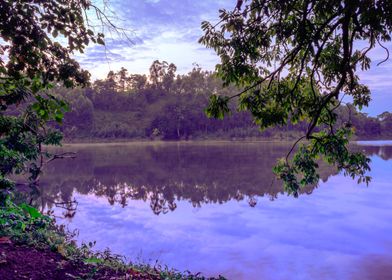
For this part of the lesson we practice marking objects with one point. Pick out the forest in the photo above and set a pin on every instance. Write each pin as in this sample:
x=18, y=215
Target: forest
x=283, y=70
x=167, y=106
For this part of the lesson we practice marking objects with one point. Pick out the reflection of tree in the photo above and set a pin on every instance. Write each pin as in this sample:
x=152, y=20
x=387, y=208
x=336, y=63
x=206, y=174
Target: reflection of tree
x=384, y=152
x=164, y=174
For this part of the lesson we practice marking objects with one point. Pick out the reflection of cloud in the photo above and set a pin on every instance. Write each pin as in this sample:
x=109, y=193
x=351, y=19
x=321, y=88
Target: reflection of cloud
x=336, y=233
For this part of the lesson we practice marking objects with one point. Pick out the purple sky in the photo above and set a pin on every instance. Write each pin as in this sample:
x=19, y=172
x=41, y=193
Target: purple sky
x=169, y=30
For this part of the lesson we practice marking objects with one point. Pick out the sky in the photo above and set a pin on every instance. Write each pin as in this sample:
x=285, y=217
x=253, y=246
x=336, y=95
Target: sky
x=159, y=29
x=169, y=30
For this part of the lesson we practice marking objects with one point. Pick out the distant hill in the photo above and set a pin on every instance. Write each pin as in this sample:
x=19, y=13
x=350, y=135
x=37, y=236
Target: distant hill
x=169, y=107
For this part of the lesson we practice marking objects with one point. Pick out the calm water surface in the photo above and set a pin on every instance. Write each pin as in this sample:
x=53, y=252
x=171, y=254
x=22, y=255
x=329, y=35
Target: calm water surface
x=215, y=208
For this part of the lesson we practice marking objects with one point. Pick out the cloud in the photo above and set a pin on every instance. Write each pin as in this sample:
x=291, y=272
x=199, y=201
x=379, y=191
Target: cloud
x=165, y=30
x=169, y=30
x=379, y=80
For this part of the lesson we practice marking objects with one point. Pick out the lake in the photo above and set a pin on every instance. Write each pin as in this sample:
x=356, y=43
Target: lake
x=215, y=208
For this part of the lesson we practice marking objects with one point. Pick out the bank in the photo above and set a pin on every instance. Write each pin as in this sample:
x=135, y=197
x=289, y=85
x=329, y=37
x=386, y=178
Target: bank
x=33, y=247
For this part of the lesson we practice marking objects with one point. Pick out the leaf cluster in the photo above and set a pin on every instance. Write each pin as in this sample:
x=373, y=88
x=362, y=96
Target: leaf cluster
x=37, y=41
x=295, y=60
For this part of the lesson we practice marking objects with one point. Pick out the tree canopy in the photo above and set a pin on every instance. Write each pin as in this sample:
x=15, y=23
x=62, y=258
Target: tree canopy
x=172, y=109
x=296, y=60
x=37, y=40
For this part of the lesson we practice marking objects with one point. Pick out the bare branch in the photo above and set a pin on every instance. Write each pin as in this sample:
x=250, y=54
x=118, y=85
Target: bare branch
x=386, y=50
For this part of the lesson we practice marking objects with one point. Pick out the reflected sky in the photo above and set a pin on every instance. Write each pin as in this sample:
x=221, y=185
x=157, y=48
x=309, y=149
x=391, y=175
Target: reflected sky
x=341, y=231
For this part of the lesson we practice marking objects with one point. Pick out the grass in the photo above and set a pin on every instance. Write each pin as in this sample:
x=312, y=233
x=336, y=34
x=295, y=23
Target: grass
x=25, y=225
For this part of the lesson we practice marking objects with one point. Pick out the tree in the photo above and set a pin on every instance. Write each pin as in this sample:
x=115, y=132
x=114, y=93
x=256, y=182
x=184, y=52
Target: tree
x=138, y=82
x=106, y=111
x=295, y=60
x=32, y=61
x=168, y=77
x=123, y=79
x=162, y=74
x=386, y=123
x=157, y=72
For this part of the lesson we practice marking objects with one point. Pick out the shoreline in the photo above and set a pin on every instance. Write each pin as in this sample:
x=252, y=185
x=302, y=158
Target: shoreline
x=114, y=142
x=41, y=249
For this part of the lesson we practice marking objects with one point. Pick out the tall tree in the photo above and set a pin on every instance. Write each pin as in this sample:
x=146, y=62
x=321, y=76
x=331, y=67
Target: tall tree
x=138, y=82
x=296, y=59
x=32, y=59
x=168, y=77
x=123, y=79
x=162, y=74
x=157, y=72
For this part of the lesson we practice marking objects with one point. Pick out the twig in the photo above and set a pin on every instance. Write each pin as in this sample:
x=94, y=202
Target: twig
x=292, y=148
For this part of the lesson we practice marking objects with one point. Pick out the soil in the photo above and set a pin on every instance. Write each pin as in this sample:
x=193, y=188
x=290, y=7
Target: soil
x=24, y=262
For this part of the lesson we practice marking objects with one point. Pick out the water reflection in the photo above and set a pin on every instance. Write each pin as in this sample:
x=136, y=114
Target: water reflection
x=165, y=173
x=341, y=231
x=383, y=151
x=374, y=267
x=162, y=174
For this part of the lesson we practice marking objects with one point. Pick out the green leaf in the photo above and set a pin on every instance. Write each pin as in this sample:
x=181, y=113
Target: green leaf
x=218, y=107
x=92, y=260
x=100, y=41
x=33, y=212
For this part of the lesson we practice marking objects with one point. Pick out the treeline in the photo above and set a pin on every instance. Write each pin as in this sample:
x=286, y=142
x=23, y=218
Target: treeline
x=167, y=106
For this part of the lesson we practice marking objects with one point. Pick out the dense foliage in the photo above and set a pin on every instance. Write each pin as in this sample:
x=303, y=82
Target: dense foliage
x=296, y=59
x=170, y=107
x=37, y=40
